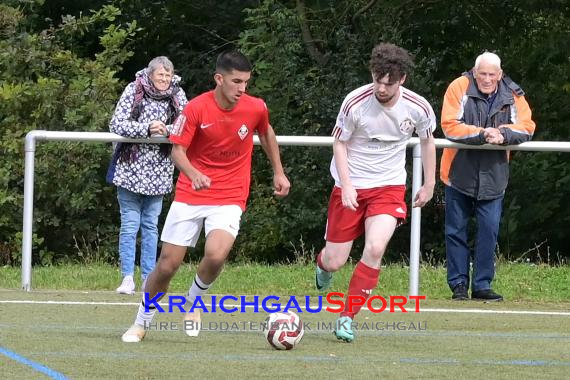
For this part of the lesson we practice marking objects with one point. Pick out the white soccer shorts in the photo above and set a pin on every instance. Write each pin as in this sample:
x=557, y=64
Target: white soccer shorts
x=184, y=222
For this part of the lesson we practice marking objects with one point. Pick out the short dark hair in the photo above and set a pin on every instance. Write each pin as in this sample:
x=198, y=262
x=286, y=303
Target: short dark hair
x=232, y=60
x=390, y=59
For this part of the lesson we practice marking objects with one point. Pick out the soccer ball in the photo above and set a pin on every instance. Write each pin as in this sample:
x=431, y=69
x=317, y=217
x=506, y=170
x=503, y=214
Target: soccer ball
x=283, y=330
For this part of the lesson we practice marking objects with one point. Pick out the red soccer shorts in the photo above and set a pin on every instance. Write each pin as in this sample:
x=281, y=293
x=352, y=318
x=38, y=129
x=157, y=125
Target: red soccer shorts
x=344, y=225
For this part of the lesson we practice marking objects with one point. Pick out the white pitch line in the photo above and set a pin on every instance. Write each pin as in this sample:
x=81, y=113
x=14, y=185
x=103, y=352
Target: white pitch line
x=490, y=311
x=103, y=303
x=429, y=310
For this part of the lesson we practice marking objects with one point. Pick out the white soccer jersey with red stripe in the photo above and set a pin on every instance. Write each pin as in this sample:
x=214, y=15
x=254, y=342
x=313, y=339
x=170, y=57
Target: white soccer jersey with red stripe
x=376, y=136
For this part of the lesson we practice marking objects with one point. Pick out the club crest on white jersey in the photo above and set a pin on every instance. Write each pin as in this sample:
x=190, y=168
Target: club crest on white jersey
x=406, y=126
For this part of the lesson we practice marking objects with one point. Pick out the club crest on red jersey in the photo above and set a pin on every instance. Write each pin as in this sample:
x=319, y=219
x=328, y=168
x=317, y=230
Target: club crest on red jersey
x=243, y=131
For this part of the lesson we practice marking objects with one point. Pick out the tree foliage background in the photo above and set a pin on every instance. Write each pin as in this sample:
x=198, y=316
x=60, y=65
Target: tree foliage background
x=63, y=65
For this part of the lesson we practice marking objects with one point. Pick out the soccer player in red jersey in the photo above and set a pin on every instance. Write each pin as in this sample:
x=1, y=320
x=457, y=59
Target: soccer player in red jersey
x=372, y=129
x=212, y=147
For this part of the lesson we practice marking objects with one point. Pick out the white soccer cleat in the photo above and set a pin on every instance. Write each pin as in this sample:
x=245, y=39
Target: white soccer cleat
x=127, y=286
x=134, y=334
x=192, y=323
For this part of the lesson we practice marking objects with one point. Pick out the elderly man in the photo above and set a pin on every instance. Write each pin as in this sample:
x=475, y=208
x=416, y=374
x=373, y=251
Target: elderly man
x=483, y=106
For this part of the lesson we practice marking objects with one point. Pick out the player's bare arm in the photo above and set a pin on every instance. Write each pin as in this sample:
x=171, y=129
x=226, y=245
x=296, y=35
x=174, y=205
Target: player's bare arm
x=425, y=193
x=269, y=144
x=341, y=161
x=199, y=180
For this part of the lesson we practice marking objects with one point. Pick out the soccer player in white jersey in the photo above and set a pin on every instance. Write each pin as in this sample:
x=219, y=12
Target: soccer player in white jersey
x=372, y=129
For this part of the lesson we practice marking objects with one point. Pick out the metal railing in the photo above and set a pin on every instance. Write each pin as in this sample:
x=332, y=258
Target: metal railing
x=415, y=229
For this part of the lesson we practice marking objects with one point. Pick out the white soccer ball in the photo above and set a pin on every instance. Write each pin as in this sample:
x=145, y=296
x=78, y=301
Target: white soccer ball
x=283, y=330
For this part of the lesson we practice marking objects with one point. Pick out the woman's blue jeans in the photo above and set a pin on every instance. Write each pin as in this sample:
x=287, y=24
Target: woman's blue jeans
x=459, y=208
x=138, y=211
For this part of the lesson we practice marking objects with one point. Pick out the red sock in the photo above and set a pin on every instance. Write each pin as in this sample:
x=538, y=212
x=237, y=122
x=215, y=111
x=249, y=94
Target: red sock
x=320, y=260
x=364, y=280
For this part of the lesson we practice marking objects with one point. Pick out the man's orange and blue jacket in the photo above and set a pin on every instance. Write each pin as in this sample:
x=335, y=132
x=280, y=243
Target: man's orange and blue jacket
x=482, y=174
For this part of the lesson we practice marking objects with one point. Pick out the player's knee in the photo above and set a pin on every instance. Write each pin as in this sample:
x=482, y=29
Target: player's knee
x=333, y=264
x=216, y=256
x=374, y=250
x=166, y=269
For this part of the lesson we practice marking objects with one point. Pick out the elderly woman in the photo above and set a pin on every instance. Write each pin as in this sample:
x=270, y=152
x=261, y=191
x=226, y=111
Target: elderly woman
x=143, y=172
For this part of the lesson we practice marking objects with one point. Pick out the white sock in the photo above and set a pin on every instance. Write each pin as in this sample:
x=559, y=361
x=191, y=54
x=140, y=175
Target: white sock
x=144, y=318
x=198, y=288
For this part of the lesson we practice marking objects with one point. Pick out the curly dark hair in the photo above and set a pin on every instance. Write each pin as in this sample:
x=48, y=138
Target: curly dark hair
x=390, y=59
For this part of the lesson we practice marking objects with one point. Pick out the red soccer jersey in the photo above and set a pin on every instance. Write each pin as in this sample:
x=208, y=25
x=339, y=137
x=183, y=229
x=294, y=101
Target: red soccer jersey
x=220, y=144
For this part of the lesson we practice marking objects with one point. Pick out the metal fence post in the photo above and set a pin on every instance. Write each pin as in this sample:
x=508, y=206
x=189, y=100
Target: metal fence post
x=415, y=229
x=27, y=230
x=33, y=136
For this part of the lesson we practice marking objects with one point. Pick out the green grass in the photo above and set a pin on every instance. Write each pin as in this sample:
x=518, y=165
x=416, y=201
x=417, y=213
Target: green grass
x=517, y=282
x=461, y=339
x=82, y=341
